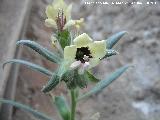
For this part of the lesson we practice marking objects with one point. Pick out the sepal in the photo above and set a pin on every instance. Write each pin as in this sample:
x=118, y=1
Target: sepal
x=91, y=77
x=73, y=79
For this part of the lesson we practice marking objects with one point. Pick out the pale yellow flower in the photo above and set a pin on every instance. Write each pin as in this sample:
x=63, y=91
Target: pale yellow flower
x=84, y=53
x=57, y=9
x=75, y=23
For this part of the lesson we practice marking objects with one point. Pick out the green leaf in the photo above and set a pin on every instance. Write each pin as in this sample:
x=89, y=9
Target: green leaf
x=111, y=41
x=64, y=38
x=104, y=83
x=41, y=50
x=55, y=79
x=26, y=108
x=110, y=52
x=52, y=83
x=62, y=107
x=91, y=77
x=30, y=65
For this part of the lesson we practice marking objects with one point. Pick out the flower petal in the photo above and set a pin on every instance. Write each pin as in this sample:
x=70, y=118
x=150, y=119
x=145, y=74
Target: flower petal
x=82, y=40
x=74, y=23
x=70, y=52
x=50, y=23
x=79, y=23
x=98, y=49
x=69, y=24
x=68, y=12
x=75, y=64
x=93, y=62
x=51, y=12
x=59, y=4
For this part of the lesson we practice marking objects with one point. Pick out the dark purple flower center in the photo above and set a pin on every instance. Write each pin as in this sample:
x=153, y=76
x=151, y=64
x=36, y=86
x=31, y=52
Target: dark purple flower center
x=81, y=52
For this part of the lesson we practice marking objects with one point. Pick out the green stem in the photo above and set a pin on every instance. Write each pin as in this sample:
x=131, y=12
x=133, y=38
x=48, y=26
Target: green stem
x=73, y=104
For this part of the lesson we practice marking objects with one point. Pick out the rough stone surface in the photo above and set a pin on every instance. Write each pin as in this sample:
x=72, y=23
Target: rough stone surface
x=135, y=95
x=13, y=19
x=12, y=14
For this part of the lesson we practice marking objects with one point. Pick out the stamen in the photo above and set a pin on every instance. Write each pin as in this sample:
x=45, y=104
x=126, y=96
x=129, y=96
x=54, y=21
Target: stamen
x=86, y=58
x=61, y=19
x=65, y=20
x=58, y=20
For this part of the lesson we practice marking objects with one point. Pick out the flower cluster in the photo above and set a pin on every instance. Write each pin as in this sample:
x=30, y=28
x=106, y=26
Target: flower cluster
x=79, y=54
x=59, y=16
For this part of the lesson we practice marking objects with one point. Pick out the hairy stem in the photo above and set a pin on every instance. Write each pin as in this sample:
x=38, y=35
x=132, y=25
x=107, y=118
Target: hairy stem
x=73, y=104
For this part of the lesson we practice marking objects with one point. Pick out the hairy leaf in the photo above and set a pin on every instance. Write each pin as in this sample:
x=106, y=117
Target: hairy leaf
x=104, y=83
x=30, y=65
x=55, y=79
x=41, y=50
x=62, y=107
x=111, y=41
x=52, y=83
x=37, y=114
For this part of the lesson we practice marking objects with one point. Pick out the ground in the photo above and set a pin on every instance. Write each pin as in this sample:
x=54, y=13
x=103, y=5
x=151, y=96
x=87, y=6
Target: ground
x=135, y=95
